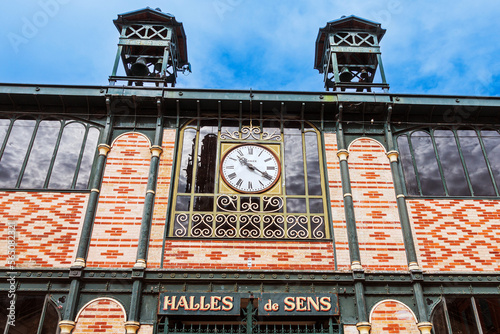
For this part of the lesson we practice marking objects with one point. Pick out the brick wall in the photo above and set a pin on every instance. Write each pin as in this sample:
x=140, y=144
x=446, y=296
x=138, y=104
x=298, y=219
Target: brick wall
x=48, y=227
x=118, y=219
x=161, y=200
x=393, y=317
x=456, y=235
x=377, y=220
x=337, y=203
x=103, y=315
x=234, y=254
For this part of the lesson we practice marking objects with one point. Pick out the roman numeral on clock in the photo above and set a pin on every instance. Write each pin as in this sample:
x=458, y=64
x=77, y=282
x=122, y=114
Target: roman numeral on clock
x=250, y=150
x=232, y=176
x=239, y=183
x=249, y=185
x=271, y=167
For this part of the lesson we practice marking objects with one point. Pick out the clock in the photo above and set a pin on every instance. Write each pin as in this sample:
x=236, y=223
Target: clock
x=250, y=168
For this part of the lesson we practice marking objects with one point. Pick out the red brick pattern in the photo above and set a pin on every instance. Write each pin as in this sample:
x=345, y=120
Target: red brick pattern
x=161, y=200
x=337, y=203
x=235, y=254
x=103, y=315
x=393, y=317
x=377, y=220
x=118, y=219
x=456, y=235
x=48, y=227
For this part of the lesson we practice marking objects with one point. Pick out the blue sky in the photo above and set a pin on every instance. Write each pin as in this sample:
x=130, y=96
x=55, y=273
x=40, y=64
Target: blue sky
x=432, y=47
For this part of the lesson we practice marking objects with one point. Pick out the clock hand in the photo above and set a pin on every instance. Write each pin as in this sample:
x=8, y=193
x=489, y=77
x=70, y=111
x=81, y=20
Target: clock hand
x=252, y=167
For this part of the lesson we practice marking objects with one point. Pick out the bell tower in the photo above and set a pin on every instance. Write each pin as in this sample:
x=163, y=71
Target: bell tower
x=348, y=54
x=152, y=48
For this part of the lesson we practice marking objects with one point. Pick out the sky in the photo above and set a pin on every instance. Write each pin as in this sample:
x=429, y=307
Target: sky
x=431, y=47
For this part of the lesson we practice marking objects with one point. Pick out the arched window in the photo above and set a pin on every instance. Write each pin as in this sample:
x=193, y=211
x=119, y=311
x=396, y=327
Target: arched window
x=249, y=179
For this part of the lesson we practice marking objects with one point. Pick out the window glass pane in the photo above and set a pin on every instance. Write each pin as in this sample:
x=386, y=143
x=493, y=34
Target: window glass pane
x=182, y=203
x=87, y=160
x=439, y=320
x=476, y=165
x=312, y=160
x=186, y=167
x=51, y=320
x=296, y=205
x=272, y=130
x=491, y=140
x=4, y=127
x=489, y=314
x=427, y=167
x=294, y=160
x=230, y=129
x=67, y=156
x=461, y=315
x=28, y=312
x=450, y=162
x=407, y=164
x=207, y=158
x=203, y=203
x=41, y=155
x=316, y=205
x=15, y=152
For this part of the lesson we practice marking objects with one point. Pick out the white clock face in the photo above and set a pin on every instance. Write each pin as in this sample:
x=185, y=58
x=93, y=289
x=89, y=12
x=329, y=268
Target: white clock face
x=250, y=168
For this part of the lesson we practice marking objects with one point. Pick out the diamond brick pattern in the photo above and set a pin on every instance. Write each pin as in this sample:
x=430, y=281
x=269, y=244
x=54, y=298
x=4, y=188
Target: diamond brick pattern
x=47, y=224
x=393, y=317
x=104, y=315
x=337, y=203
x=161, y=200
x=377, y=220
x=115, y=235
x=456, y=235
x=235, y=254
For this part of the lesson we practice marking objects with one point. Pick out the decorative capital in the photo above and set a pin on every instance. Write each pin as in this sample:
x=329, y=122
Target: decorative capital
x=343, y=154
x=103, y=149
x=356, y=265
x=79, y=262
x=393, y=156
x=363, y=327
x=66, y=326
x=140, y=264
x=156, y=150
x=131, y=327
x=414, y=266
x=424, y=327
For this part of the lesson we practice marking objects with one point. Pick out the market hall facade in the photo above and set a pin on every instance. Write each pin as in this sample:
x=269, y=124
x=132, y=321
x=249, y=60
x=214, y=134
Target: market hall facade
x=140, y=207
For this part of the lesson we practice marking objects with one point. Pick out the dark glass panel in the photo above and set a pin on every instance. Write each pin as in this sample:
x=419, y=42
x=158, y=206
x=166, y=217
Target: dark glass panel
x=88, y=158
x=203, y=203
x=312, y=160
x=407, y=164
x=294, y=159
x=451, y=163
x=41, y=155
x=476, y=165
x=230, y=128
x=186, y=161
x=491, y=140
x=316, y=205
x=28, y=312
x=439, y=320
x=489, y=314
x=461, y=315
x=15, y=152
x=207, y=158
x=296, y=205
x=51, y=320
x=182, y=203
x=4, y=127
x=250, y=204
x=427, y=167
x=67, y=156
x=272, y=129
x=181, y=224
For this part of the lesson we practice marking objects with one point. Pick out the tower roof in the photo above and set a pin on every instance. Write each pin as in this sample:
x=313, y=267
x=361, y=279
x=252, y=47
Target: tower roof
x=149, y=15
x=345, y=23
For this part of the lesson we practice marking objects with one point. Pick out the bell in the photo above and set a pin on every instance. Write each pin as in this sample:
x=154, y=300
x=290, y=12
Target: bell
x=140, y=68
x=159, y=65
x=345, y=75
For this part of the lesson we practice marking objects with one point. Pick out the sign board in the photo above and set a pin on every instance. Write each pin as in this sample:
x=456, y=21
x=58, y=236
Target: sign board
x=198, y=303
x=298, y=304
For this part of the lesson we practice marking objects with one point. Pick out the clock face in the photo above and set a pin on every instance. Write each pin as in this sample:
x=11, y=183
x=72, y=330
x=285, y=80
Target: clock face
x=250, y=168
